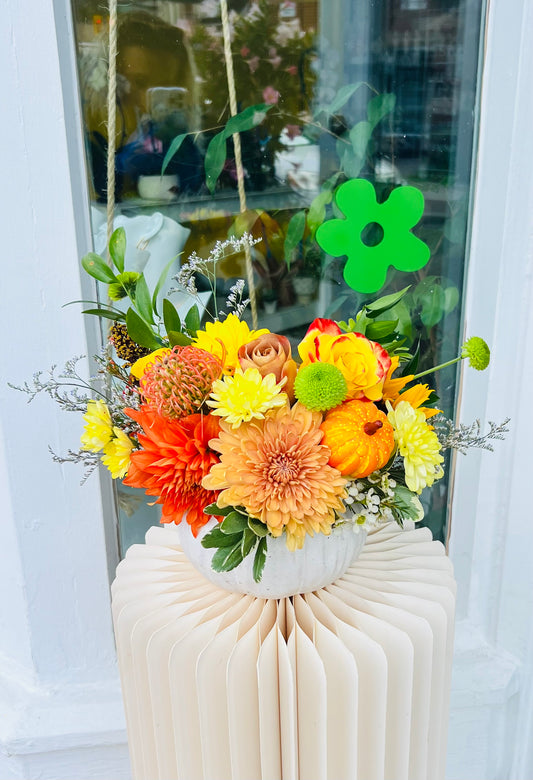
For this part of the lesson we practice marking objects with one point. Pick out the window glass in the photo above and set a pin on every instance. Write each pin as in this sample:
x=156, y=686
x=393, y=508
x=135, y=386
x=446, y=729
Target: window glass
x=385, y=91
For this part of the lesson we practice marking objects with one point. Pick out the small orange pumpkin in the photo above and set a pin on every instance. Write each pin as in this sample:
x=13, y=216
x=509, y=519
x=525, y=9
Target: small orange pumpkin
x=360, y=438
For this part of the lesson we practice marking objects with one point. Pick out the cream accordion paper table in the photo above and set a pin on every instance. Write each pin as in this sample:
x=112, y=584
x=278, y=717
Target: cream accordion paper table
x=348, y=683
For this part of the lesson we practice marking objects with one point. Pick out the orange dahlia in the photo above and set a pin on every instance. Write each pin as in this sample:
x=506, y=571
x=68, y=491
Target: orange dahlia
x=174, y=458
x=278, y=471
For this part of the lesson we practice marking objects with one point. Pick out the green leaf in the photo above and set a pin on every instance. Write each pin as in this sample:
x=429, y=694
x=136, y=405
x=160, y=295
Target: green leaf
x=234, y=523
x=359, y=137
x=140, y=332
x=379, y=106
x=216, y=538
x=295, y=232
x=98, y=268
x=160, y=283
x=172, y=150
x=259, y=559
x=317, y=210
x=143, y=301
x=214, y=509
x=343, y=95
x=407, y=504
x=178, y=339
x=246, y=120
x=171, y=318
x=192, y=320
x=378, y=330
x=412, y=365
x=430, y=296
x=117, y=247
x=226, y=560
x=351, y=165
x=249, y=540
x=257, y=527
x=107, y=314
x=215, y=157
x=451, y=298
x=403, y=315
x=382, y=304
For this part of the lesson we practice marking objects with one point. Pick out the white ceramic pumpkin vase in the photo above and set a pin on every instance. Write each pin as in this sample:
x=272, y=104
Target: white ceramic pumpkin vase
x=321, y=561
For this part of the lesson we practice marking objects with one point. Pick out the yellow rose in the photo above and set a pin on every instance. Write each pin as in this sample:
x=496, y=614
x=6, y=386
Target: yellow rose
x=362, y=362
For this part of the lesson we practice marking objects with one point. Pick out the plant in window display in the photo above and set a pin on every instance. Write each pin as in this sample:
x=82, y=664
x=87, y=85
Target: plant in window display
x=259, y=449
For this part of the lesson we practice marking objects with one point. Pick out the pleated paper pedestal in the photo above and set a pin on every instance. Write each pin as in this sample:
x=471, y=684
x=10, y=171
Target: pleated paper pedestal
x=348, y=683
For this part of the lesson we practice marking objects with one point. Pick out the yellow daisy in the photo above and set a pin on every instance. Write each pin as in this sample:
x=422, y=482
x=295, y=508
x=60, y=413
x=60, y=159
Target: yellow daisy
x=117, y=454
x=417, y=444
x=245, y=396
x=223, y=339
x=98, y=427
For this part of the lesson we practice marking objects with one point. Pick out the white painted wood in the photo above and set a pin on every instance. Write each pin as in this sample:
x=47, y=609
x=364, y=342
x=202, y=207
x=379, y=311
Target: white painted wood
x=491, y=714
x=60, y=709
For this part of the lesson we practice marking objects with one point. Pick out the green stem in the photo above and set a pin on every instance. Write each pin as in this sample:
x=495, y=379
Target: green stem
x=437, y=368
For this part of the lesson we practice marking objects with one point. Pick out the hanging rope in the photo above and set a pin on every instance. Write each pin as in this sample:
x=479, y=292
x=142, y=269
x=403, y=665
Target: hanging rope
x=111, y=119
x=237, y=146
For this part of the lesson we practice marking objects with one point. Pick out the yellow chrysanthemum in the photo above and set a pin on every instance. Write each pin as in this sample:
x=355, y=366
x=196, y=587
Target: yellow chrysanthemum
x=98, y=427
x=245, y=396
x=417, y=444
x=117, y=454
x=278, y=470
x=223, y=339
x=393, y=387
x=416, y=396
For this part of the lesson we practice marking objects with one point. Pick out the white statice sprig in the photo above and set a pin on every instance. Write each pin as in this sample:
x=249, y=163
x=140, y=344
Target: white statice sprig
x=465, y=437
x=235, y=302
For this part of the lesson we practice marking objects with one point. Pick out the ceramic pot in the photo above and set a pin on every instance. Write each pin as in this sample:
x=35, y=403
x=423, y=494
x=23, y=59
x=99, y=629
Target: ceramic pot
x=321, y=561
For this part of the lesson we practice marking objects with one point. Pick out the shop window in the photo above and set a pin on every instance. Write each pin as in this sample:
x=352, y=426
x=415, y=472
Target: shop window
x=406, y=68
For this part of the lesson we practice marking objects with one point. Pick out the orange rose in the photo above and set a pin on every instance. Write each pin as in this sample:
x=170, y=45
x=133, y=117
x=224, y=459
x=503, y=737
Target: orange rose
x=270, y=354
x=363, y=363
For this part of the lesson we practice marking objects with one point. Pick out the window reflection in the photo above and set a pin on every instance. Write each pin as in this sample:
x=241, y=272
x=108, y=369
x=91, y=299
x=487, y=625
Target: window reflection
x=383, y=90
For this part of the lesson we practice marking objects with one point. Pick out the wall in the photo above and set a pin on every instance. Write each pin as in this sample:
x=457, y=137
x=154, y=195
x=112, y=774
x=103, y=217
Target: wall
x=60, y=708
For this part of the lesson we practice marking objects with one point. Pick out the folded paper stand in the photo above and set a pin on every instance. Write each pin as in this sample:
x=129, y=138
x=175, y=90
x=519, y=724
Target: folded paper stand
x=348, y=683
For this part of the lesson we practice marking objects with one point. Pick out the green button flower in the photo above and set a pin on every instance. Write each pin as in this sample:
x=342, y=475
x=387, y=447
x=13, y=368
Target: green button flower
x=366, y=266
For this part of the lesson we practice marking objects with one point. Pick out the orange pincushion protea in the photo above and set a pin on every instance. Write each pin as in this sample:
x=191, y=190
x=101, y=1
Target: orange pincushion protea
x=178, y=381
x=174, y=458
x=360, y=438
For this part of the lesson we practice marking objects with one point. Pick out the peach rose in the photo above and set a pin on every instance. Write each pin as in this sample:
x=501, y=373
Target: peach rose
x=363, y=363
x=270, y=354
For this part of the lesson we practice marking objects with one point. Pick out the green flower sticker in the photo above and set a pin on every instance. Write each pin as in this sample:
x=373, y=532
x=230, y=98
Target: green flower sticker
x=366, y=266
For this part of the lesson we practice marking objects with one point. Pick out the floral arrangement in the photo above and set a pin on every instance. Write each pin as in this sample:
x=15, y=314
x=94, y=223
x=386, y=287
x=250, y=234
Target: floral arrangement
x=234, y=423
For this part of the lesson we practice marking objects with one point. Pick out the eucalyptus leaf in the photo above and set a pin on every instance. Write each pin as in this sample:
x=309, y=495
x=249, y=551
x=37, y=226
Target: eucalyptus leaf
x=379, y=106
x=451, y=298
x=98, y=268
x=192, y=320
x=257, y=527
x=143, y=301
x=342, y=97
x=117, y=247
x=234, y=523
x=172, y=150
x=359, y=138
x=171, y=318
x=317, y=210
x=107, y=314
x=216, y=538
x=259, y=559
x=140, y=332
x=295, y=232
x=351, y=165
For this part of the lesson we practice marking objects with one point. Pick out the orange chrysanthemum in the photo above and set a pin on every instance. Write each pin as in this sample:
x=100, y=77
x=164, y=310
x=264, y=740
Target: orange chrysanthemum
x=278, y=471
x=174, y=458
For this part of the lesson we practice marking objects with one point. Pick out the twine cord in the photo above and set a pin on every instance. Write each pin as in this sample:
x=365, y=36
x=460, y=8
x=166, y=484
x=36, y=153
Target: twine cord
x=111, y=119
x=238, y=155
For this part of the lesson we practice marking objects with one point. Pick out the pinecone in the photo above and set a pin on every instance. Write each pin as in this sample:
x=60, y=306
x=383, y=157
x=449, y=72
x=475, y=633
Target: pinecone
x=124, y=345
